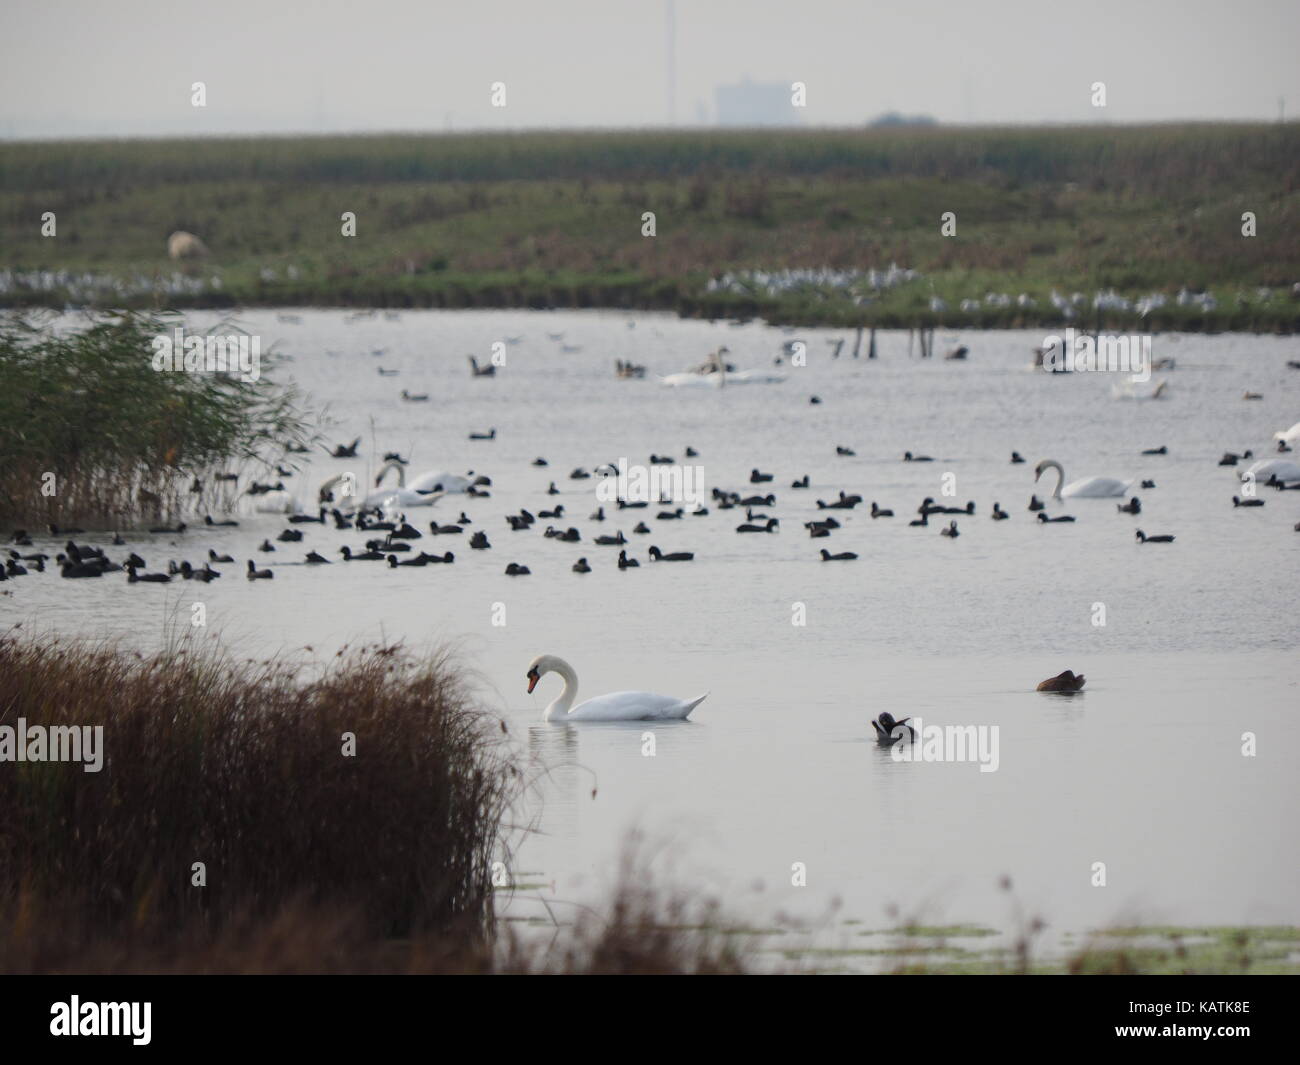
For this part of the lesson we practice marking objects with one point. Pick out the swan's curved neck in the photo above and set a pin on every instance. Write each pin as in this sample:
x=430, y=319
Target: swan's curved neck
x=564, y=701
x=326, y=490
x=1052, y=464
x=383, y=472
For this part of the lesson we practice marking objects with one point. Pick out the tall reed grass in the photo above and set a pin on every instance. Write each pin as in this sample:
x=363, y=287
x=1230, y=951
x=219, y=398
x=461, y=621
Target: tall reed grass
x=90, y=432
x=240, y=765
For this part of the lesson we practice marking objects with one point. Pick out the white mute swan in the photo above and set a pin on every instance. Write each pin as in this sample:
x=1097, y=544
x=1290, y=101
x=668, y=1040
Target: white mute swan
x=423, y=491
x=1282, y=469
x=278, y=502
x=1086, y=488
x=1290, y=437
x=616, y=706
x=714, y=374
x=691, y=379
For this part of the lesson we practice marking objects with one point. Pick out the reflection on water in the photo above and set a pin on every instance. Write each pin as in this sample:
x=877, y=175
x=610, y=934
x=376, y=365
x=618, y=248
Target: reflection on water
x=553, y=761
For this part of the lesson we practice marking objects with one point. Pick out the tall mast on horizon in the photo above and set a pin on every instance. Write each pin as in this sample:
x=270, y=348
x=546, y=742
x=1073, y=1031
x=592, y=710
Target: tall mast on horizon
x=671, y=18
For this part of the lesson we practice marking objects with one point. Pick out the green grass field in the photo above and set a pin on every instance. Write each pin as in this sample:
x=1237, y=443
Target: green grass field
x=555, y=219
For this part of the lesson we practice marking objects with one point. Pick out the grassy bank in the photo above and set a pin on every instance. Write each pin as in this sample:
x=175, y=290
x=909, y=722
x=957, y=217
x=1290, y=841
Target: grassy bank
x=549, y=220
x=972, y=950
x=90, y=432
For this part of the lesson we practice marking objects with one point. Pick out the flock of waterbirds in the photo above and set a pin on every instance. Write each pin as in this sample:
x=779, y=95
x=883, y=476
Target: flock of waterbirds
x=395, y=541
x=392, y=540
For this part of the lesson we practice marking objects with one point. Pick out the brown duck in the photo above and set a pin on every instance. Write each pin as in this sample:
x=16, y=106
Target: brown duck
x=1062, y=682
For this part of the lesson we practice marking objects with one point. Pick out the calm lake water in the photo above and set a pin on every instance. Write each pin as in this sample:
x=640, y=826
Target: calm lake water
x=1143, y=771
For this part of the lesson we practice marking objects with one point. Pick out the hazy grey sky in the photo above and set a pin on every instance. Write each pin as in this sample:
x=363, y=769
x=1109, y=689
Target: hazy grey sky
x=125, y=67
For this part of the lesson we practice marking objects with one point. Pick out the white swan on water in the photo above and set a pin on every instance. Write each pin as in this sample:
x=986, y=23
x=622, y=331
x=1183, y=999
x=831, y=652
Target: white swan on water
x=714, y=374
x=1086, y=488
x=691, y=379
x=616, y=706
x=277, y=502
x=1282, y=469
x=1290, y=437
x=423, y=491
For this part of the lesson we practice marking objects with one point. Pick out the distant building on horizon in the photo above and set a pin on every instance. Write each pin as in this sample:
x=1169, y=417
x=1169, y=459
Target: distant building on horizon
x=753, y=103
x=893, y=118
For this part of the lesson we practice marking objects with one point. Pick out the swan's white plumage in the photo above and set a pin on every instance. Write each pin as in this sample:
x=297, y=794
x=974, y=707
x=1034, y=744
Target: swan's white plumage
x=714, y=374
x=1282, y=469
x=399, y=497
x=1289, y=436
x=1095, y=488
x=630, y=706
x=616, y=706
x=691, y=380
x=1085, y=487
x=423, y=491
x=277, y=502
x=438, y=481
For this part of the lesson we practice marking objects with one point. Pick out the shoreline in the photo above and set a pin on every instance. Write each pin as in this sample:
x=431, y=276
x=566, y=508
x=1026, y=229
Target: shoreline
x=948, y=227
x=1272, y=321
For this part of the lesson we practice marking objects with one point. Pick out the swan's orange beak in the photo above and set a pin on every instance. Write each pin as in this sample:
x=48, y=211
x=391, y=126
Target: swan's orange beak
x=533, y=678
